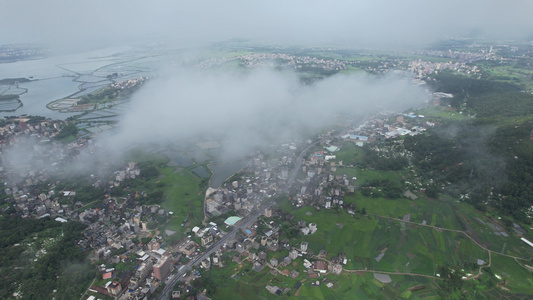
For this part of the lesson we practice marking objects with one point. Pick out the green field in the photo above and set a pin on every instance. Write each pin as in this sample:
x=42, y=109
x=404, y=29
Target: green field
x=183, y=191
x=364, y=286
x=248, y=284
x=353, y=156
x=406, y=247
x=509, y=73
x=440, y=114
x=349, y=153
x=515, y=277
x=366, y=175
x=183, y=197
x=414, y=248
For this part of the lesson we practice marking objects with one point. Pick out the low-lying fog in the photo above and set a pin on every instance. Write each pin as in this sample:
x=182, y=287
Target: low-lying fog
x=253, y=108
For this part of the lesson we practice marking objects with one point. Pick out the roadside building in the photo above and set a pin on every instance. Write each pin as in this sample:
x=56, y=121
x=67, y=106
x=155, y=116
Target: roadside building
x=268, y=212
x=232, y=220
x=206, y=239
x=162, y=268
x=114, y=288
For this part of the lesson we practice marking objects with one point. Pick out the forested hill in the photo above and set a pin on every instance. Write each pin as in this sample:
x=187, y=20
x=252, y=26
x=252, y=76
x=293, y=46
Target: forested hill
x=452, y=83
x=485, y=98
x=40, y=258
x=489, y=157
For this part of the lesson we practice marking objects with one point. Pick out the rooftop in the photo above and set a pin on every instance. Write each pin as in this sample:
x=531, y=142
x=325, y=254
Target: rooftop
x=232, y=220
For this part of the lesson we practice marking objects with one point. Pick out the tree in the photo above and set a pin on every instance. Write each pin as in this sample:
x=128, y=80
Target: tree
x=432, y=191
x=67, y=131
x=452, y=278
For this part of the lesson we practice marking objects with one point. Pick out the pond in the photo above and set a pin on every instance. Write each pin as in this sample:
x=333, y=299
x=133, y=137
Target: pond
x=8, y=105
x=201, y=171
x=223, y=171
x=179, y=159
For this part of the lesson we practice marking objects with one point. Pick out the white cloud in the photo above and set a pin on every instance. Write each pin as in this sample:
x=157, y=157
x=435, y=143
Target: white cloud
x=259, y=107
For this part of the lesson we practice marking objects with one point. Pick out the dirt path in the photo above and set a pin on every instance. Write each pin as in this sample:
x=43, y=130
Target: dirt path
x=480, y=272
x=393, y=273
x=475, y=236
x=454, y=230
x=83, y=295
x=476, y=241
x=298, y=291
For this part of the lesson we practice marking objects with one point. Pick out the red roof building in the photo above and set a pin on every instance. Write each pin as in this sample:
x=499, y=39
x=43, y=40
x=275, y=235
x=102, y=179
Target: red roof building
x=320, y=266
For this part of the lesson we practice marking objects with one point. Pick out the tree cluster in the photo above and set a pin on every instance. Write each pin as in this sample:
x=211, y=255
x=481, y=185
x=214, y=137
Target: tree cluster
x=389, y=189
x=67, y=131
x=490, y=157
x=62, y=267
x=375, y=161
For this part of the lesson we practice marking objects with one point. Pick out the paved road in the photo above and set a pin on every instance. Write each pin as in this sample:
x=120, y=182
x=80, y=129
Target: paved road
x=246, y=222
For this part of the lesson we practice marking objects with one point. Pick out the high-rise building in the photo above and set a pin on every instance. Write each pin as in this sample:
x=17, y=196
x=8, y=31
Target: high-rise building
x=293, y=254
x=137, y=219
x=268, y=212
x=303, y=246
x=162, y=268
x=144, y=270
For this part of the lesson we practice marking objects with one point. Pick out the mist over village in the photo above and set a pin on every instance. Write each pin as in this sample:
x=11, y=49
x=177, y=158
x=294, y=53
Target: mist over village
x=265, y=150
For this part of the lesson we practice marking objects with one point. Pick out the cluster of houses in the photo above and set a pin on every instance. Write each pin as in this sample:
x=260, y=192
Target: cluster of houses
x=119, y=233
x=263, y=246
x=130, y=83
x=29, y=156
x=130, y=172
x=423, y=68
x=115, y=228
x=386, y=125
x=267, y=249
x=482, y=53
x=15, y=128
x=262, y=178
x=11, y=53
x=29, y=202
x=275, y=59
x=152, y=265
x=293, y=61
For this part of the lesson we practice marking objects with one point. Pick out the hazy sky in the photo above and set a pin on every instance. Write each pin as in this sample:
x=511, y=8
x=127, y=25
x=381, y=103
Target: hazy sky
x=79, y=24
